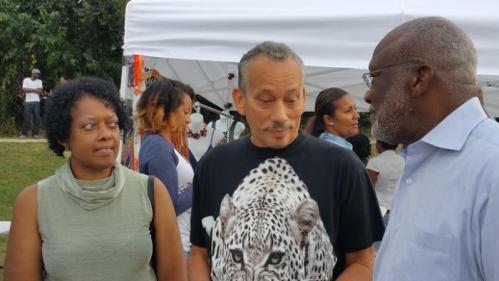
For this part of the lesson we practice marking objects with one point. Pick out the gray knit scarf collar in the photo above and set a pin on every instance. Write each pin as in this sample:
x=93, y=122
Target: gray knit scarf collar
x=91, y=194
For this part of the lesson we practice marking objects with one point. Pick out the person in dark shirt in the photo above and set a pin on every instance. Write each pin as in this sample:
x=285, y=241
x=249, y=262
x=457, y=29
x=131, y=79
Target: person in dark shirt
x=361, y=146
x=280, y=204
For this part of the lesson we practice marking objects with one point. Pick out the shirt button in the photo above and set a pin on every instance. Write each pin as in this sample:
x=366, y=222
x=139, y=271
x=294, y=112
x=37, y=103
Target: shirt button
x=408, y=181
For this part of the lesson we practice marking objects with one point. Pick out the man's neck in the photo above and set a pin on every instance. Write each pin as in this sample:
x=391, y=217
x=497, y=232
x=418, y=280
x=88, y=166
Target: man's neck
x=435, y=114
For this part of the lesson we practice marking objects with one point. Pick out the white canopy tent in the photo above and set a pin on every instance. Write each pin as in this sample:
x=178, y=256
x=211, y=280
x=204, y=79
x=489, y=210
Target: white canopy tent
x=200, y=41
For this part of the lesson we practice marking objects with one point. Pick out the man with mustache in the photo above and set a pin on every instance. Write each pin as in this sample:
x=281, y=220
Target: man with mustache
x=424, y=94
x=271, y=96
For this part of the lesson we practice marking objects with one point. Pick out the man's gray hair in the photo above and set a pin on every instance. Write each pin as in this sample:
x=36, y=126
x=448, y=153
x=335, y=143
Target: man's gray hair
x=443, y=45
x=272, y=50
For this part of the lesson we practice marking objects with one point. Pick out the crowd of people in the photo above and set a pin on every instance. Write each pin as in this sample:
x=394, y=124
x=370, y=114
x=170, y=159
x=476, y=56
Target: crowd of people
x=285, y=202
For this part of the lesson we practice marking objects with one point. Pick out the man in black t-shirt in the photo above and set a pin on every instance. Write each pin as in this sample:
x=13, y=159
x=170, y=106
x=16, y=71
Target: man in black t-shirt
x=280, y=205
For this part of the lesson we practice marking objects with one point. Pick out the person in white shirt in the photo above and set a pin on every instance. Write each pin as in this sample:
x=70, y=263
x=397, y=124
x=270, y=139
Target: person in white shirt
x=384, y=171
x=32, y=88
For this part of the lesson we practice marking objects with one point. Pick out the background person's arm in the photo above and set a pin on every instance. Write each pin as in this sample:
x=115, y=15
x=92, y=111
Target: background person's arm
x=168, y=246
x=373, y=176
x=39, y=90
x=197, y=264
x=24, y=253
x=358, y=265
x=25, y=87
x=162, y=163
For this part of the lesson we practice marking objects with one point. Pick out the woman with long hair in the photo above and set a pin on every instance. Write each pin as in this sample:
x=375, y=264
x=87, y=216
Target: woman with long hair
x=335, y=118
x=163, y=113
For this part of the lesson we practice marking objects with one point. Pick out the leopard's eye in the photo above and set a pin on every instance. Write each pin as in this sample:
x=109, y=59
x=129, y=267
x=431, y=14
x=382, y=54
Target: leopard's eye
x=275, y=258
x=237, y=256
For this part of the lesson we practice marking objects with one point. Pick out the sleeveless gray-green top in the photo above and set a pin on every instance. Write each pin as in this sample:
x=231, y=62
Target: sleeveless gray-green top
x=95, y=230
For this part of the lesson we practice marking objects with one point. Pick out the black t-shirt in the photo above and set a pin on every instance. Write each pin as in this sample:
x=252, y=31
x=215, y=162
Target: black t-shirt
x=334, y=176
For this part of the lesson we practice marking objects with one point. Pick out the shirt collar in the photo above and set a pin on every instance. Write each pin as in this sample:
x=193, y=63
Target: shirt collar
x=336, y=140
x=453, y=131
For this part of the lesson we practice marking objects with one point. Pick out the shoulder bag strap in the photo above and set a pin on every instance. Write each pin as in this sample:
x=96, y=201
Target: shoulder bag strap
x=150, y=194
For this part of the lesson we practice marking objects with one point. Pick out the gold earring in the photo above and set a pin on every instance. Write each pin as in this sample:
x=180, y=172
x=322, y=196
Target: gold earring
x=67, y=152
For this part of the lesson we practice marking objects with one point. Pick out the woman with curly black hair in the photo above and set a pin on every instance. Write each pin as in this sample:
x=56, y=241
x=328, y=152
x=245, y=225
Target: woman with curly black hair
x=91, y=220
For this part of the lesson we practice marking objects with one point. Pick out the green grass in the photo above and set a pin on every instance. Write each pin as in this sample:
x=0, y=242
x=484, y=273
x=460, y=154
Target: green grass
x=22, y=164
x=3, y=248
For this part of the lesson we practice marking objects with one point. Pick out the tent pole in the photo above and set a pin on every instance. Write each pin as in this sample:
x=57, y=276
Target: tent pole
x=200, y=105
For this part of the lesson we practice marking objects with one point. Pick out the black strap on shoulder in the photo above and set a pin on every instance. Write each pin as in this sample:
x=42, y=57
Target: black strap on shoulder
x=150, y=191
x=150, y=194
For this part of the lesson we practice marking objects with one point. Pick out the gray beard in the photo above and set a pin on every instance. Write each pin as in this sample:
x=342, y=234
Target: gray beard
x=380, y=134
x=396, y=113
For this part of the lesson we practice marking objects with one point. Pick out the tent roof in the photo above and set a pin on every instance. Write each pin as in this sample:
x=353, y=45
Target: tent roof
x=201, y=41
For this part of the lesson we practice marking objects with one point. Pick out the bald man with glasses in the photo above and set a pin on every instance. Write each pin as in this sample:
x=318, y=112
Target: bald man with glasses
x=424, y=94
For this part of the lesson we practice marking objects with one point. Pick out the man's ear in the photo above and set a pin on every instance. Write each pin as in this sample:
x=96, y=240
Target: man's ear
x=304, y=98
x=421, y=82
x=239, y=100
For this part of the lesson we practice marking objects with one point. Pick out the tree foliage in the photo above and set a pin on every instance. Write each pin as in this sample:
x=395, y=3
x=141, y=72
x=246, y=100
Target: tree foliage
x=60, y=37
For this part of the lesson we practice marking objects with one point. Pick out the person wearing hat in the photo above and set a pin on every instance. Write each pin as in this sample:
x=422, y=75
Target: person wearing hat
x=32, y=88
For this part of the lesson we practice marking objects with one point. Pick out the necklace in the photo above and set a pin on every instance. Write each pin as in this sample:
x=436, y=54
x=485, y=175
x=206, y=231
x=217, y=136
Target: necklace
x=197, y=135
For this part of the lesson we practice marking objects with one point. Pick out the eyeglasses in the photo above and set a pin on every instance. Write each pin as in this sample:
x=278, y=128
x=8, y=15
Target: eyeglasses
x=369, y=76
